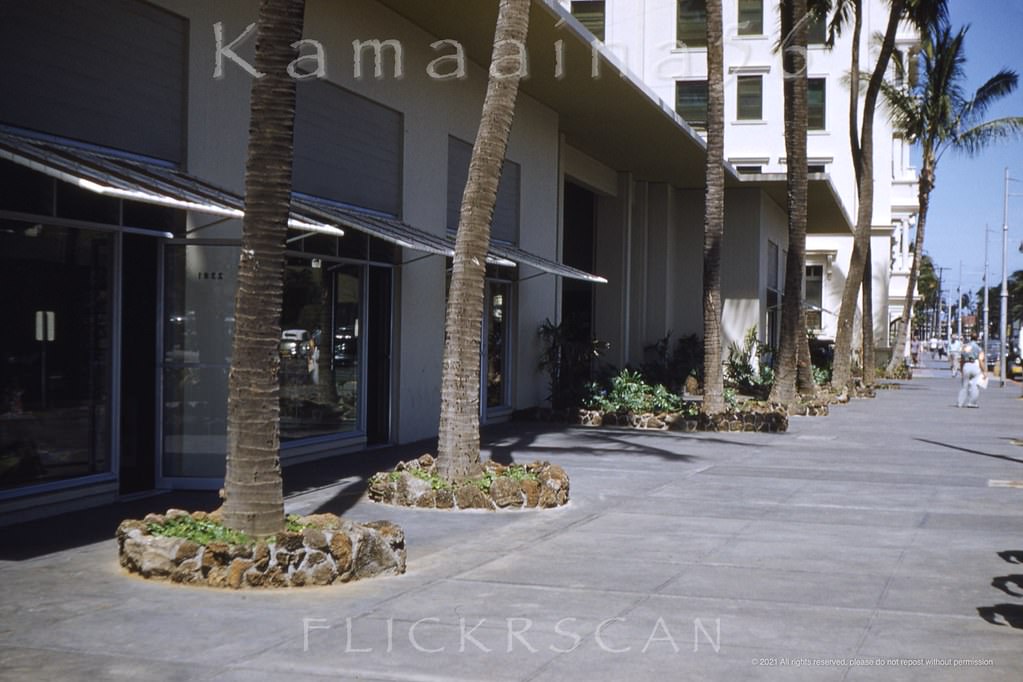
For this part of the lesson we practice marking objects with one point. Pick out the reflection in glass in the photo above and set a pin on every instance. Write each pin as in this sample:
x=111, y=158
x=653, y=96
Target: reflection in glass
x=198, y=327
x=498, y=299
x=55, y=352
x=319, y=349
x=194, y=421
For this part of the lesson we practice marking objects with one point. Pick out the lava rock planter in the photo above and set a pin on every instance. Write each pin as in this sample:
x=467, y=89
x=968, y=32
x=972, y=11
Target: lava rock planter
x=327, y=550
x=415, y=483
x=763, y=419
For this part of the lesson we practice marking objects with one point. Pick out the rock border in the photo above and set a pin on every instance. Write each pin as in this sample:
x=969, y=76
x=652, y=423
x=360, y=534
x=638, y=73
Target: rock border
x=329, y=550
x=414, y=483
x=771, y=419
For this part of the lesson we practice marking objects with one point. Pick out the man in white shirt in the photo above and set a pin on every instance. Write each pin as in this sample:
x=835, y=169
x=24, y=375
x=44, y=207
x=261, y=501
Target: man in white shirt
x=955, y=348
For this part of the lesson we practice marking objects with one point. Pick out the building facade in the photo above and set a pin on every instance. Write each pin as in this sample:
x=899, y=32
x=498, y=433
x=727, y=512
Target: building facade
x=122, y=152
x=663, y=43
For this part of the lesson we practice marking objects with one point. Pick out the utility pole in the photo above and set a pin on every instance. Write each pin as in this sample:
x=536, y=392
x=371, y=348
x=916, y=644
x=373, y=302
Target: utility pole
x=1003, y=312
x=1003, y=331
x=936, y=329
x=959, y=303
x=984, y=336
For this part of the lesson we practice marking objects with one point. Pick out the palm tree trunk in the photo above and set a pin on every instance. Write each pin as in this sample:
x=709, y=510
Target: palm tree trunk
x=867, y=321
x=924, y=188
x=714, y=214
x=793, y=323
x=458, y=448
x=864, y=215
x=254, y=496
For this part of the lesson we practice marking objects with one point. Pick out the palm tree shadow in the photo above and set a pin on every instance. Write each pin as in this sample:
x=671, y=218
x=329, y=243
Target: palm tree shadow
x=1010, y=615
x=1013, y=556
x=1003, y=583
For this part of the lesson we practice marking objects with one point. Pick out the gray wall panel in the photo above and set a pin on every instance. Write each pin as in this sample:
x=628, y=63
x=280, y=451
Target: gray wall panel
x=506, y=212
x=347, y=148
x=111, y=73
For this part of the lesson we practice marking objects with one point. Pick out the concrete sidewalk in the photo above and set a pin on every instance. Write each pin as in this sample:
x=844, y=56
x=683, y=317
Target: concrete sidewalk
x=883, y=536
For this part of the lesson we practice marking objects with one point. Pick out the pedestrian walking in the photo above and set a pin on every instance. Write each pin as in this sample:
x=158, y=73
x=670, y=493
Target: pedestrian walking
x=954, y=350
x=973, y=367
x=914, y=352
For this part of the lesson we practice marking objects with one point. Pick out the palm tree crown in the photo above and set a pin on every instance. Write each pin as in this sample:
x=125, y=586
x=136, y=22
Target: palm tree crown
x=936, y=113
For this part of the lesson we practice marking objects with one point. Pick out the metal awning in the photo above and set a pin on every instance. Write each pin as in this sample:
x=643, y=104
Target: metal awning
x=382, y=227
x=405, y=235
x=521, y=257
x=135, y=180
x=152, y=183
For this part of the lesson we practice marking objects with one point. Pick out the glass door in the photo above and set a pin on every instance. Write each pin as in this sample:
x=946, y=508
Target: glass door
x=496, y=354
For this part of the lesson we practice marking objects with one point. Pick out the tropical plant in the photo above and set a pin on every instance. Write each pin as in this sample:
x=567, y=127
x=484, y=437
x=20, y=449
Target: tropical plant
x=253, y=489
x=568, y=356
x=937, y=114
x=629, y=393
x=458, y=447
x=672, y=365
x=792, y=362
x=744, y=370
x=714, y=216
x=922, y=13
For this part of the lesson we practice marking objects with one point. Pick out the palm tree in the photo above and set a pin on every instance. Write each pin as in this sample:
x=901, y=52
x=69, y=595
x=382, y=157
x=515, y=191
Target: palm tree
x=714, y=214
x=793, y=315
x=921, y=13
x=253, y=490
x=458, y=448
x=936, y=114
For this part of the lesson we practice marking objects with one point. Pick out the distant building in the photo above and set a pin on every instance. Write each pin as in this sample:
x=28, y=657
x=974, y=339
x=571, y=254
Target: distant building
x=663, y=43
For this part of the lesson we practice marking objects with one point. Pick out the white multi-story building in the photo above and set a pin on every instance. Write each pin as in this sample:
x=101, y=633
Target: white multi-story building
x=663, y=43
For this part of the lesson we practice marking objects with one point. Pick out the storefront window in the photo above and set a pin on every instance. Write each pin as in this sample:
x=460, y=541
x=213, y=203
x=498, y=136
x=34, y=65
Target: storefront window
x=497, y=329
x=198, y=327
x=319, y=349
x=55, y=352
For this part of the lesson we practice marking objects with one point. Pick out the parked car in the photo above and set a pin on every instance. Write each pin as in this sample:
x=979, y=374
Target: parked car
x=294, y=343
x=345, y=345
x=992, y=352
x=1014, y=362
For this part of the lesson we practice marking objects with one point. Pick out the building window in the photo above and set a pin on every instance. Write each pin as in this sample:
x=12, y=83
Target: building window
x=691, y=102
x=751, y=17
x=590, y=15
x=814, y=299
x=748, y=170
x=55, y=352
x=816, y=32
x=816, y=168
x=692, y=23
x=815, y=107
x=750, y=96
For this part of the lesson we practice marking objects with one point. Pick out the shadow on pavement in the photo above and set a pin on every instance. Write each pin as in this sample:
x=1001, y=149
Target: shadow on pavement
x=87, y=526
x=1003, y=614
x=1013, y=556
x=972, y=452
x=1011, y=585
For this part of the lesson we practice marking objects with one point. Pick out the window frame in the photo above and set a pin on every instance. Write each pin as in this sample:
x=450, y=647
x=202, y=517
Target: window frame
x=688, y=27
x=810, y=126
x=680, y=85
x=741, y=23
x=739, y=95
x=589, y=19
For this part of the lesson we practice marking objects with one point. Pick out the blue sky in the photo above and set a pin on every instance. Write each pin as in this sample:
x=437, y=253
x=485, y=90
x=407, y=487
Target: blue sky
x=969, y=191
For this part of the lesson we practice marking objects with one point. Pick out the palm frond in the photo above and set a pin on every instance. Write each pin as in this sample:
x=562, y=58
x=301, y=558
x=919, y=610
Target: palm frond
x=987, y=133
x=926, y=13
x=841, y=14
x=998, y=86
